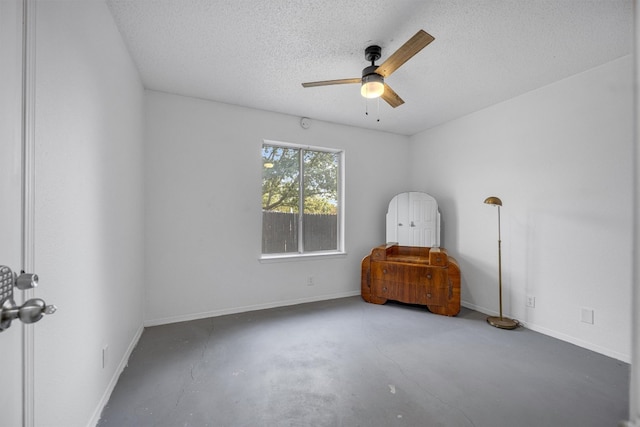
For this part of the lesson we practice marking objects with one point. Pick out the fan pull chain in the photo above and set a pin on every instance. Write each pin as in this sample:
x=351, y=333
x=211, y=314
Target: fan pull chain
x=366, y=108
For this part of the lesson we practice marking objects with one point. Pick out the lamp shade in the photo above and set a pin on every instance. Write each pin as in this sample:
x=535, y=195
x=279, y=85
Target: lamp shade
x=493, y=200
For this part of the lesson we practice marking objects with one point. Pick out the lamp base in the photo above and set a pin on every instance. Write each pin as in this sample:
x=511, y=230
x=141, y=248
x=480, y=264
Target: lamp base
x=502, y=322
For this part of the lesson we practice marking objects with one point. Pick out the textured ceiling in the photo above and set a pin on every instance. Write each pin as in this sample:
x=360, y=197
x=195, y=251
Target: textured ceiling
x=257, y=53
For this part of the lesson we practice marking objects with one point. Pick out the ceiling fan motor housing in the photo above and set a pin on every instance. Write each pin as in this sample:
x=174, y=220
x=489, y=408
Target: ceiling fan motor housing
x=371, y=69
x=373, y=53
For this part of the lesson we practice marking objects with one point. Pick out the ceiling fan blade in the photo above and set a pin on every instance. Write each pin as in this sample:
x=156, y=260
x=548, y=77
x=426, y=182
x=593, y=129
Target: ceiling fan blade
x=414, y=45
x=391, y=97
x=332, y=82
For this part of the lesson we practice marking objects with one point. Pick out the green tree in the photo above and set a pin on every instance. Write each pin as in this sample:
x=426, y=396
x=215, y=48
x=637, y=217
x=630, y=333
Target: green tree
x=281, y=177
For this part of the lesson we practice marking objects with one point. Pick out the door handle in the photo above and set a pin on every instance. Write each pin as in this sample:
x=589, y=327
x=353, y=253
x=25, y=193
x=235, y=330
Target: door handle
x=29, y=312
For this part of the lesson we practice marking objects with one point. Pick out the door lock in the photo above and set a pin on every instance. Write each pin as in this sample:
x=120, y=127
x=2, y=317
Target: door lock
x=31, y=311
x=26, y=281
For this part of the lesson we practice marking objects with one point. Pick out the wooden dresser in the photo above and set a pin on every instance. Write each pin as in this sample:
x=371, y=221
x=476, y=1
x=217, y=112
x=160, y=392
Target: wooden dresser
x=413, y=275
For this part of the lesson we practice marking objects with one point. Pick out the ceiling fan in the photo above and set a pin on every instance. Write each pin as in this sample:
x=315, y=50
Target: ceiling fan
x=372, y=81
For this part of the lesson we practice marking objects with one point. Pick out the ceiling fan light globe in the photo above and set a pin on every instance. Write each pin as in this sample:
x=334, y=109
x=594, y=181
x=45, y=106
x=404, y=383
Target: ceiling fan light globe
x=372, y=89
x=372, y=86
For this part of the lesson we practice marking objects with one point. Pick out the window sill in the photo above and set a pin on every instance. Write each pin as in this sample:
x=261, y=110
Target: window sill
x=301, y=257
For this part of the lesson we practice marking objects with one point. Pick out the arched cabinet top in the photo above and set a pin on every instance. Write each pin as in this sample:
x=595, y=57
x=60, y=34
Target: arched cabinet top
x=413, y=219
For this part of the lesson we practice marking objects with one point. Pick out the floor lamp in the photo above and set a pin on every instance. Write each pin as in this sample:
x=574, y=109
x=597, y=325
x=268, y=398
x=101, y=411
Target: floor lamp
x=499, y=322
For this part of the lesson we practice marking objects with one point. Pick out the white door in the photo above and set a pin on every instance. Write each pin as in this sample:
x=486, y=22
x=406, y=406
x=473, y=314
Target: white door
x=423, y=214
x=399, y=209
x=11, y=351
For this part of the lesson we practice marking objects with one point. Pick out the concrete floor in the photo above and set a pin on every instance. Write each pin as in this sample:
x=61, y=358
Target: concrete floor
x=348, y=363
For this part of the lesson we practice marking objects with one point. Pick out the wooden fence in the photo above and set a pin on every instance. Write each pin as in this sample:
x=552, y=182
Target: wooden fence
x=280, y=232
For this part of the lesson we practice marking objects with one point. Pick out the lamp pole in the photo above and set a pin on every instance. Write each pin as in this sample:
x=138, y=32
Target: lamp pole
x=499, y=264
x=499, y=322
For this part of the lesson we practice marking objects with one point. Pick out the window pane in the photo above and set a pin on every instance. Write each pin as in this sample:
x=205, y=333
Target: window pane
x=280, y=199
x=320, y=220
x=300, y=199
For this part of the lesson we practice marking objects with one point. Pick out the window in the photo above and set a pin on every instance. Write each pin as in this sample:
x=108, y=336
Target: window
x=301, y=179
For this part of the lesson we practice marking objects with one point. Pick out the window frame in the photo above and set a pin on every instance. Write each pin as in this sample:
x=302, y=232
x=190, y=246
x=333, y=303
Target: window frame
x=300, y=254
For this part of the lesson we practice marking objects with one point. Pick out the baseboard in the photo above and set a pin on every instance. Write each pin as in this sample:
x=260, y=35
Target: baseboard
x=558, y=335
x=243, y=309
x=114, y=379
x=479, y=309
x=580, y=343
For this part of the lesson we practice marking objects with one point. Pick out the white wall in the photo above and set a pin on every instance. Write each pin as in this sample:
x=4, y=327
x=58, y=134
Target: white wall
x=560, y=160
x=89, y=132
x=203, y=208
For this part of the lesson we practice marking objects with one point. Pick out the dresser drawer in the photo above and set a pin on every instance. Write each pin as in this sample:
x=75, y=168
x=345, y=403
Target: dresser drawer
x=410, y=283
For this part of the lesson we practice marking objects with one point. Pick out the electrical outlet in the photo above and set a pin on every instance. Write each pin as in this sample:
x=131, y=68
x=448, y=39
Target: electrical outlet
x=310, y=281
x=586, y=315
x=105, y=356
x=531, y=301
